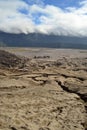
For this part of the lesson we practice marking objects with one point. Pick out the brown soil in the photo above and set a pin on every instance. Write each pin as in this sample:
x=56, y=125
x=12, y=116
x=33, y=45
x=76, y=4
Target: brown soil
x=42, y=95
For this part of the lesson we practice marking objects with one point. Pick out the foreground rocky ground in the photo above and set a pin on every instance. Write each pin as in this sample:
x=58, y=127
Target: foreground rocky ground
x=40, y=94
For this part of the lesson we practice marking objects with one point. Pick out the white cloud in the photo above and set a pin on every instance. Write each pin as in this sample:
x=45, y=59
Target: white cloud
x=51, y=19
x=13, y=21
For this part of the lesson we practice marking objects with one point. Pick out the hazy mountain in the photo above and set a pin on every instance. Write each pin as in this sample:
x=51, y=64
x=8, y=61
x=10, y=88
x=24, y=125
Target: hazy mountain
x=41, y=40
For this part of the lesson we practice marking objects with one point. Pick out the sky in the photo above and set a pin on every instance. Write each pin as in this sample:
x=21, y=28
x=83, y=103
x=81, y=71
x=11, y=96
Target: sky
x=57, y=17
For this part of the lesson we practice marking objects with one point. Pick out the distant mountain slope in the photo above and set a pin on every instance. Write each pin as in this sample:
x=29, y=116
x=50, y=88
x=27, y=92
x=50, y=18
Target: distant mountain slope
x=41, y=40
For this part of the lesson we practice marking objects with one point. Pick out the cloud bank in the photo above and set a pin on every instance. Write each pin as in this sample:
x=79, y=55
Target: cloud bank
x=19, y=16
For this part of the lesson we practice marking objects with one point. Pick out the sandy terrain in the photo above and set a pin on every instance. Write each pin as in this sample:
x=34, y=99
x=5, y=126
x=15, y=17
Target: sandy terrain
x=43, y=93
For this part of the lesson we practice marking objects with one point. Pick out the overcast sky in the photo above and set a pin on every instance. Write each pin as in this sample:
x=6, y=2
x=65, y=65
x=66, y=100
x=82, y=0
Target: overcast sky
x=59, y=17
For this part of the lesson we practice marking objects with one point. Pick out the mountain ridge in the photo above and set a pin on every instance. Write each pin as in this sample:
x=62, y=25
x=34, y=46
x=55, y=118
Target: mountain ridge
x=42, y=40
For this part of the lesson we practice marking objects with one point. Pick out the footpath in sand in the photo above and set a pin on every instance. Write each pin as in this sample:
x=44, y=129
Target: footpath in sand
x=38, y=94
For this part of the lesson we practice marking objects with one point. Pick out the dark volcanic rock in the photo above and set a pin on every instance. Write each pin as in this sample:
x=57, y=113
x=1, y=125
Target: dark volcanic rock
x=9, y=60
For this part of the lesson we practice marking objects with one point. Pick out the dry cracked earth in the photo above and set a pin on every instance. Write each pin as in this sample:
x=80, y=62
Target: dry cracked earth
x=38, y=94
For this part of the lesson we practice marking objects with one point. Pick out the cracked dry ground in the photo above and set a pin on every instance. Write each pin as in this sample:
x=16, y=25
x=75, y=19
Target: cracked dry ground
x=48, y=96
